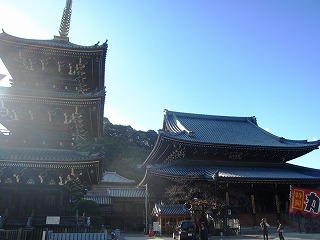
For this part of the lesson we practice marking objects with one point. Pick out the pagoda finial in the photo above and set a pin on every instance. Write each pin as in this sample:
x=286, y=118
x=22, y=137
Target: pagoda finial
x=65, y=21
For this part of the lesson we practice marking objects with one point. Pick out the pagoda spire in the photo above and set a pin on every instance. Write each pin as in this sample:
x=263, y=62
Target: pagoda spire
x=65, y=21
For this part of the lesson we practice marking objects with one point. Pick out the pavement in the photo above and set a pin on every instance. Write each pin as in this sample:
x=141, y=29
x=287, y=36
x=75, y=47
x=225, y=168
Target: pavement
x=290, y=235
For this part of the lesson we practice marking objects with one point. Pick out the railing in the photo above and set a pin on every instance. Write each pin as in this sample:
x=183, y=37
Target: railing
x=14, y=234
x=72, y=236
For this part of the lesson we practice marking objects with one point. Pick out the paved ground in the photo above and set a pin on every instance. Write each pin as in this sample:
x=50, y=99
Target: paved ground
x=272, y=236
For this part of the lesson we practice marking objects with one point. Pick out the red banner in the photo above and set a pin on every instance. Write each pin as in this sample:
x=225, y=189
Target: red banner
x=305, y=202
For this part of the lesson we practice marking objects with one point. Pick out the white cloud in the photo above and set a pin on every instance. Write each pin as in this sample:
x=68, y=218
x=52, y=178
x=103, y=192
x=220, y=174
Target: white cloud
x=314, y=139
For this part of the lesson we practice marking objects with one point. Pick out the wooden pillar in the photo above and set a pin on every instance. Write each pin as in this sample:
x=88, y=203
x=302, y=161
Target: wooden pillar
x=253, y=205
x=276, y=199
x=227, y=199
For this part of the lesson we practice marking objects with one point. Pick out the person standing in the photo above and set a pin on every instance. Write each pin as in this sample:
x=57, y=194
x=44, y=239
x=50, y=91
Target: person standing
x=264, y=227
x=280, y=231
x=203, y=232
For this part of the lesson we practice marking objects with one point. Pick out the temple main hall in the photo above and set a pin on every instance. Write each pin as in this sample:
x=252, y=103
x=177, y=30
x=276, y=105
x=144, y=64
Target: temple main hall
x=233, y=154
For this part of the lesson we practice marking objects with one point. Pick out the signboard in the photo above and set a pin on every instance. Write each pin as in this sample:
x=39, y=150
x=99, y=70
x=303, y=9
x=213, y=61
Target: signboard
x=305, y=202
x=156, y=226
x=53, y=220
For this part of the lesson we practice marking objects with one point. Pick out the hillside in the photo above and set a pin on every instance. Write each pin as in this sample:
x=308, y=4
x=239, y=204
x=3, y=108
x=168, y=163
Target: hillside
x=123, y=147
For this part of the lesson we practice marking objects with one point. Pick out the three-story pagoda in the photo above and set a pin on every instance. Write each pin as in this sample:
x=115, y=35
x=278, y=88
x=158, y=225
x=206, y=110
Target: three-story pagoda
x=56, y=99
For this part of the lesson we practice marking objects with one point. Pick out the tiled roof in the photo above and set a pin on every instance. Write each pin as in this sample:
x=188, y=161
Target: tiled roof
x=211, y=129
x=44, y=154
x=163, y=209
x=113, y=177
x=26, y=93
x=242, y=172
x=126, y=192
x=99, y=199
x=105, y=196
x=49, y=43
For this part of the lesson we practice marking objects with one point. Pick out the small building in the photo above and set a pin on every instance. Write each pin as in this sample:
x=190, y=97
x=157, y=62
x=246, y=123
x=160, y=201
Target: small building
x=169, y=215
x=122, y=203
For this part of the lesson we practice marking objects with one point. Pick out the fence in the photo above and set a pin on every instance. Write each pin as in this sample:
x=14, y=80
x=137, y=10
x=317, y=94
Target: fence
x=76, y=236
x=14, y=234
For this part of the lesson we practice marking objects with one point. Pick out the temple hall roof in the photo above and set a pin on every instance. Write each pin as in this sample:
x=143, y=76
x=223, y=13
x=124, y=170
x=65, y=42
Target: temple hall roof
x=212, y=129
x=234, y=172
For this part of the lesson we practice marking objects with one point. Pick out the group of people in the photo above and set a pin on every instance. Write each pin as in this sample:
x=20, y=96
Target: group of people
x=203, y=232
x=264, y=227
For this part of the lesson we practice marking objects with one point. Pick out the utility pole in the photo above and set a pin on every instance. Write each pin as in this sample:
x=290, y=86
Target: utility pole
x=146, y=206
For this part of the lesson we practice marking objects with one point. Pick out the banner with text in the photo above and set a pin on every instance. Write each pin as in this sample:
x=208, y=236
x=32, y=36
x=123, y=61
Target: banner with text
x=305, y=201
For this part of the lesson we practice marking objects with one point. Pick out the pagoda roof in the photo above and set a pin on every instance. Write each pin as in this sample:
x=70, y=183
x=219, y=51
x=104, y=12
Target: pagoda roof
x=283, y=173
x=20, y=93
x=56, y=42
x=16, y=155
x=224, y=130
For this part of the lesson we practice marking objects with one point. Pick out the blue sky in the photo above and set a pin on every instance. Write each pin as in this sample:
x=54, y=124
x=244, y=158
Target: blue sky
x=228, y=57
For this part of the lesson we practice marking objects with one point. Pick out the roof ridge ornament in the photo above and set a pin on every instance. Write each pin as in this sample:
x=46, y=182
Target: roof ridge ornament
x=65, y=21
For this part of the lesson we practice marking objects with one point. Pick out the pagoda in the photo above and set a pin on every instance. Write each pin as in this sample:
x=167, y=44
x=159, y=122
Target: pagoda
x=235, y=155
x=55, y=99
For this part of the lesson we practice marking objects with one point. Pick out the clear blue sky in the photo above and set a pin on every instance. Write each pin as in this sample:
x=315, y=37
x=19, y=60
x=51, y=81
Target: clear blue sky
x=219, y=57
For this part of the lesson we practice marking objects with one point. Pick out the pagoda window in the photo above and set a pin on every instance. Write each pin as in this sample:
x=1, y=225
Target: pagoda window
x=56, y=116
x=52, y=182
x=43, y=142
x=41, y=115
x=52, y=65
x=8, y=180
x=30, y=181
x=54, y=86
x=65, y=87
